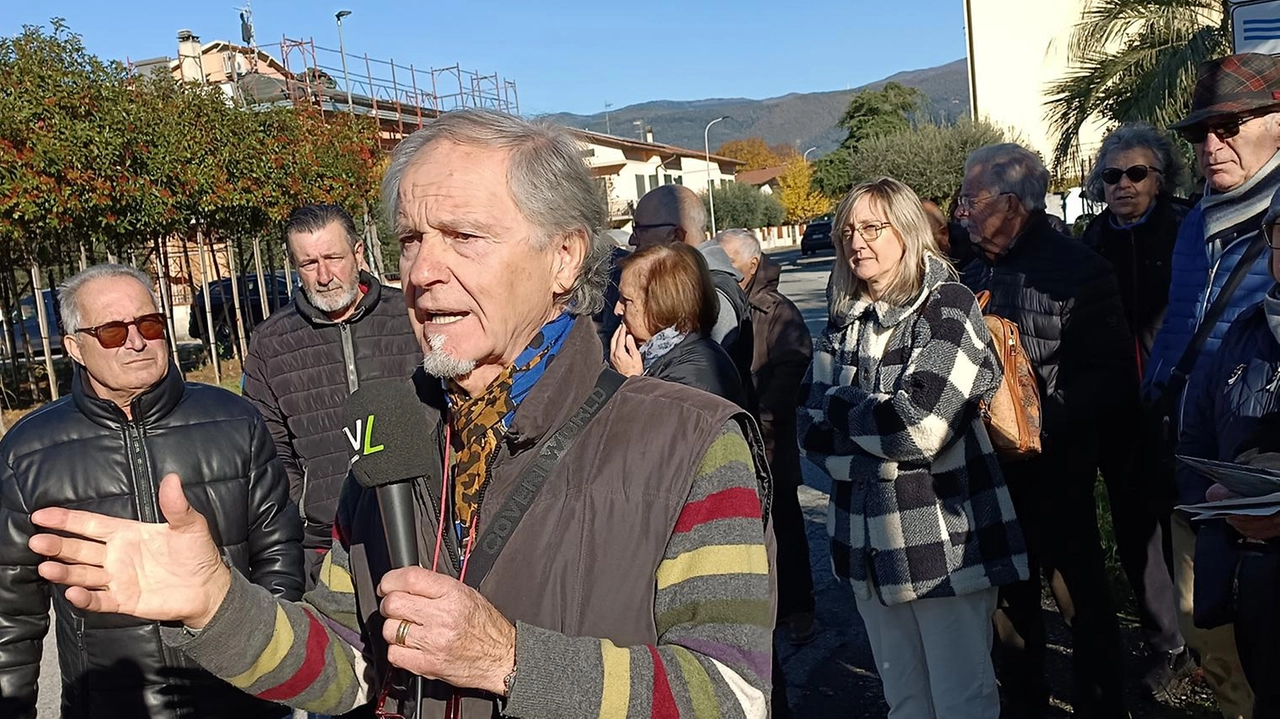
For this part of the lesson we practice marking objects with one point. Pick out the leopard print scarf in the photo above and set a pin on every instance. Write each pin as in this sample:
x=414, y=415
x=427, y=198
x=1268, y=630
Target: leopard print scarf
x=479, y=423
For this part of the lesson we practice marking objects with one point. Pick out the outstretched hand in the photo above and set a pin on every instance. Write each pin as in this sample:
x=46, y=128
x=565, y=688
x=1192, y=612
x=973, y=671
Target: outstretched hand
x=159, y=572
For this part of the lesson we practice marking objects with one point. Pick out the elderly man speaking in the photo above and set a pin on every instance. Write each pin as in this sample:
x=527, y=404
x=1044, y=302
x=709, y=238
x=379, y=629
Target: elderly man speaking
x=637, y=584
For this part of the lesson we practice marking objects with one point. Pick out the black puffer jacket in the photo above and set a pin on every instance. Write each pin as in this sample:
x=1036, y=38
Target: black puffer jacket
x=81, y=452
x=1065, y=301
x=301, y=368
x=1142, y=257
x=701, y=363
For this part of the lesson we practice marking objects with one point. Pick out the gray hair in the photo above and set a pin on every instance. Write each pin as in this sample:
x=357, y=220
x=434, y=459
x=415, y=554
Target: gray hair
x=69, y=290
x=740, y=243
x=310, y=219
x=547, y=180
x=1133, y=136
x=1013, y=169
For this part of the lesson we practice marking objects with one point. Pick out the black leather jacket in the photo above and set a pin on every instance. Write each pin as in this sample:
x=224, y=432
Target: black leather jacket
x=81, y=452
x=700, y=362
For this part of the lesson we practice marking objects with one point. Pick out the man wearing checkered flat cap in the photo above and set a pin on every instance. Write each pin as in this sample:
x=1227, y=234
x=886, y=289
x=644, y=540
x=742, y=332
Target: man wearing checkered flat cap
x=1220, y=268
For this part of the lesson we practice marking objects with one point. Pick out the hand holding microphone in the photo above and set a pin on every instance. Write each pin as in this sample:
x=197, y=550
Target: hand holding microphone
x=436, y=626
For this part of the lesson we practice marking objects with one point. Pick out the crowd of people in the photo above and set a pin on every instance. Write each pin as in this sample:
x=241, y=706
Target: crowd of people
x=603, y=449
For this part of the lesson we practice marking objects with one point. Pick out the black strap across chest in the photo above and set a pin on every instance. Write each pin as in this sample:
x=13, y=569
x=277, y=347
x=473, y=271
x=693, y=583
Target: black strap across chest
x=495, y=537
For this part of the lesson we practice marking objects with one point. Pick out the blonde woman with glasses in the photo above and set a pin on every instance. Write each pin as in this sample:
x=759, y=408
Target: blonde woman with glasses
x=920, y=521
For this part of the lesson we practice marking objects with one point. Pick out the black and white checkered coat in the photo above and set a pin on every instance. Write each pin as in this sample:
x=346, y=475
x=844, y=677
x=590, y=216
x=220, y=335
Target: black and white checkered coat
x=919, y=508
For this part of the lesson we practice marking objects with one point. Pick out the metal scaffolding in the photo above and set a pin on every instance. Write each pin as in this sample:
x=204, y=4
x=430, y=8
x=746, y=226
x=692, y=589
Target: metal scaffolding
x=400, y=95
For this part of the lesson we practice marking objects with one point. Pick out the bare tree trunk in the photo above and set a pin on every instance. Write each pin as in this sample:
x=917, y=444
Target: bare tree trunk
x=84, y=257
x=238, y=326
x=166, y=299
x=42, y=318
x=264, y=305
x=208, y=311
x=373, y=245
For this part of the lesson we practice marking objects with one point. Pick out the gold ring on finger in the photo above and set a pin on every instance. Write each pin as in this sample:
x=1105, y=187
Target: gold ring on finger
x=402, y=633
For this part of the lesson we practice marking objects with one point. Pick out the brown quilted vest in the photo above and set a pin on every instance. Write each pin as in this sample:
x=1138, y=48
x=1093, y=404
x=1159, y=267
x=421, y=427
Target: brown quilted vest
x=583, y=559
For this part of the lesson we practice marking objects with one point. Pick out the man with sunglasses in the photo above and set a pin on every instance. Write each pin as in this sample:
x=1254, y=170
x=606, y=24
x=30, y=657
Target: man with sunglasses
x=131, y=420
x=1065, y=300
x=1219, y=269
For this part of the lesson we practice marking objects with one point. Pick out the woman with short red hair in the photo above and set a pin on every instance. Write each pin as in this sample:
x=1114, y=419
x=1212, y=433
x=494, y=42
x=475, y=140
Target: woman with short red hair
x=668, y=304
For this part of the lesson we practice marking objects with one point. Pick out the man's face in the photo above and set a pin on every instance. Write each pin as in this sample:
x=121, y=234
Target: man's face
x=122, y=373
x=655, y=224
x=1127, y=199
x=479, y=280
x=1229, y=162
x=747, y=268
x=328, y=266
x=992, y=218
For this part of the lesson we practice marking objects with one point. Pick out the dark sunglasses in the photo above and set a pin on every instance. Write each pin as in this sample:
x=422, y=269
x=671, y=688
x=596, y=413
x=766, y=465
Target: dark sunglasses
x=114, y=334
x=1224, y=129
x=1136, y=173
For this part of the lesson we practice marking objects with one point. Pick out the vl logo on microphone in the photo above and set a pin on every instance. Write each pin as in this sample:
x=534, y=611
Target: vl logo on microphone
x=364, y=427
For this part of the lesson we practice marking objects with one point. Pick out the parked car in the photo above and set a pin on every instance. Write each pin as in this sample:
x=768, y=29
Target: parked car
x=223, y=309
x=24, y=318
x=816, y=237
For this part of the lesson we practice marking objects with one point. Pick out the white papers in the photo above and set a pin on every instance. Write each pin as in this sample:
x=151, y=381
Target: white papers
x=1258, y=490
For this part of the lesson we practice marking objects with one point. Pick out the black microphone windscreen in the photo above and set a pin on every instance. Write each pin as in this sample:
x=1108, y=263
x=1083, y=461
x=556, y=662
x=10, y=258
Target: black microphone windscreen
x=394, y=439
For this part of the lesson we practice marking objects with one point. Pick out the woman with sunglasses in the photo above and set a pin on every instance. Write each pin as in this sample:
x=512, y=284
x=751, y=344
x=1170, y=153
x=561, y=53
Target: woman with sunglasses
x=1136, y=172
x=921, y=523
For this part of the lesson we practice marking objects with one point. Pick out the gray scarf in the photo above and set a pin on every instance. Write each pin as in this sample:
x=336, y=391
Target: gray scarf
x=660, y=344
x=1228, y=209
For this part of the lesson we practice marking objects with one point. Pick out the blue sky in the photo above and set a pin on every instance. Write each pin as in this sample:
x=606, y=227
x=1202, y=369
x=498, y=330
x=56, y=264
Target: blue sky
x=565, y=55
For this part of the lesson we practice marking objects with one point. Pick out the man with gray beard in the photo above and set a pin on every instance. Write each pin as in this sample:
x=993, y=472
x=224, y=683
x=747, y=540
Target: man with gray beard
x=342, y=329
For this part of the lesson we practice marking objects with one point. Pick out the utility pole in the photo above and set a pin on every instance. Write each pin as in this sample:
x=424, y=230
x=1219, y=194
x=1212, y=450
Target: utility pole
x=711, y=188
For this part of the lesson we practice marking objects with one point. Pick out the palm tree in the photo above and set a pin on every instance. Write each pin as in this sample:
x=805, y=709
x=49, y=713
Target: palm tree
x=1134, y=60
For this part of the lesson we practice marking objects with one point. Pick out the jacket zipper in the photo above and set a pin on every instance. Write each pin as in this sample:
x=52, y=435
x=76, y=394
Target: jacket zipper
x=349, y=358
x=144, y=488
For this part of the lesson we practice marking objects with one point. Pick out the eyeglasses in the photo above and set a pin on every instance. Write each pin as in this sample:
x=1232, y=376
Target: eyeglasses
x=1273, y=237
x=114, y=334
x=969, y=204
x=1223, y=129
x=870, y=231
x=1135, y=173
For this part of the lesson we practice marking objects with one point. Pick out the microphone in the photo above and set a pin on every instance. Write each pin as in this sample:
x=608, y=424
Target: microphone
x=394, y=446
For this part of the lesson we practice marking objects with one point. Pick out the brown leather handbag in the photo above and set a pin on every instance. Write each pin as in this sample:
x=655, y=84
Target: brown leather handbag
x=1012, y=416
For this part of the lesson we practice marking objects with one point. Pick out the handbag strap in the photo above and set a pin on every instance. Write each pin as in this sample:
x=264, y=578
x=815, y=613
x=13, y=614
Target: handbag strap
x=1182, y=370
x=550, y=452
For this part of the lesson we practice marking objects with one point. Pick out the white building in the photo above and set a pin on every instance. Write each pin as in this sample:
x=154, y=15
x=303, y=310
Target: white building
x=1017, y=51
x=627, y=169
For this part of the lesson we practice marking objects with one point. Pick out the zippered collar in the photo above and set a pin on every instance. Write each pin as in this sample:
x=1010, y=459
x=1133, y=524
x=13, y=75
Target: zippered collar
x=148, y=408
x=372, y=295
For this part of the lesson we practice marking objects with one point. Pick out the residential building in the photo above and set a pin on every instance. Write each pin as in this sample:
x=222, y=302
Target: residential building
x=1016, y=53
x=766, y=179
x=627, y=169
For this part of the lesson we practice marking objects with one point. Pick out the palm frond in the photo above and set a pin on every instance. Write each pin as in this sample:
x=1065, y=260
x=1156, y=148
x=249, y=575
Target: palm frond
x=1133, y=60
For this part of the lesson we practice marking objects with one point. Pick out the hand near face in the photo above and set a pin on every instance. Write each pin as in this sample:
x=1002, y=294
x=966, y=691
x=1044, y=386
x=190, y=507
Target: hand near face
x=159, y=572
x=623, y=353
x=454, y=635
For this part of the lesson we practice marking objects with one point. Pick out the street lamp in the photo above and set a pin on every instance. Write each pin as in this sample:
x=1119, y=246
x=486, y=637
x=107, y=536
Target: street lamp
x=711, y=189
x=806, y=153
x=342, y=50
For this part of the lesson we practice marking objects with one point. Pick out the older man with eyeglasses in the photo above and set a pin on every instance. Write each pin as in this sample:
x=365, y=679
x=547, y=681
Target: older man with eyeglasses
x=1066, y=302
x=131, y=420
x=1220, y=269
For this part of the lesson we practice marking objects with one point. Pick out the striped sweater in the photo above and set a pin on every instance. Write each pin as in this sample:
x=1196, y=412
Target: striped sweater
x=712, y=612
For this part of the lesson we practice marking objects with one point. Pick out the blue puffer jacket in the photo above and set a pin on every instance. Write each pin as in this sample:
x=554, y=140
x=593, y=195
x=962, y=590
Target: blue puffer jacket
x=1200, y=269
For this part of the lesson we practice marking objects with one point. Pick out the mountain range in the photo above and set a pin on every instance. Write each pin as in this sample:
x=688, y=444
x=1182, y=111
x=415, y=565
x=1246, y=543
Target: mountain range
x=802, y=120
